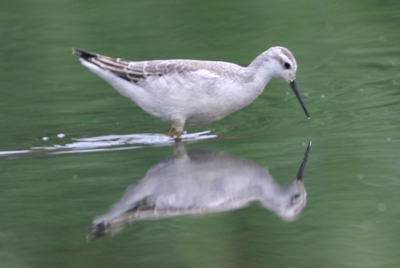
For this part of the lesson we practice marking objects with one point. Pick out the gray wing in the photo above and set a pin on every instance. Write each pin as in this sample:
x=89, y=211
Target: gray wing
x=134, y=71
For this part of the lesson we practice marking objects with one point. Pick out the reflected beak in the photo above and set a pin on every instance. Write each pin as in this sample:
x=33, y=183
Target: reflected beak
x=296, y=91
x=303, y=165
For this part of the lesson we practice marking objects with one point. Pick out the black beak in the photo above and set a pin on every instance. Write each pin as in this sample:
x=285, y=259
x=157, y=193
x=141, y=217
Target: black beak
x=296, y=91
x=303, y=165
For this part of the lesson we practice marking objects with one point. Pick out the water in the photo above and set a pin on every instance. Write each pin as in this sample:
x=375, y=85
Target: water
x=347, y=54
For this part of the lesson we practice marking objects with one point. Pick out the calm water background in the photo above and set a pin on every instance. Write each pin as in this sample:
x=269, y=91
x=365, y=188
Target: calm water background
x=349, y=74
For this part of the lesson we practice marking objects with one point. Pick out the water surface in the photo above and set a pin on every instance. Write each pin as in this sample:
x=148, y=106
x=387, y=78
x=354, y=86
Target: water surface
x=348, y=57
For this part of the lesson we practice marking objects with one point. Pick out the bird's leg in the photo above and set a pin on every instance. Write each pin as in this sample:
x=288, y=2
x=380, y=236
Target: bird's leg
x=177, y=129
x=178, y=135
x=172, y=132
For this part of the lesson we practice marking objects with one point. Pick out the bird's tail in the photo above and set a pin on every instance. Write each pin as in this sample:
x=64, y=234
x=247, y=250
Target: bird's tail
x=115, y=66
x=85, y=55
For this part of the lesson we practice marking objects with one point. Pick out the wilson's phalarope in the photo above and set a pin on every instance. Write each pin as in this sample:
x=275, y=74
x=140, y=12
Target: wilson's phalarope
x=193, y=91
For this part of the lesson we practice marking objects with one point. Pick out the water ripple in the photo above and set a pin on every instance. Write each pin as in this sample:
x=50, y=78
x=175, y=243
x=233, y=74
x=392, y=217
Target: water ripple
x=112, y=143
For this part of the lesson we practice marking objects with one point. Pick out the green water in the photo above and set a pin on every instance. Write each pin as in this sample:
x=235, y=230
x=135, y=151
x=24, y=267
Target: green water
x=349, y=75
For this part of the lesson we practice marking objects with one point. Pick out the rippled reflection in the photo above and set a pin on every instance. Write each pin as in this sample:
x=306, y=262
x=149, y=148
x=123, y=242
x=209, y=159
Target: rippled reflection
x=202, y=182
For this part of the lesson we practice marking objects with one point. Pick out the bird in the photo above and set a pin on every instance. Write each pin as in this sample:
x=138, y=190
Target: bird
x=184, y=91
x=200, y=182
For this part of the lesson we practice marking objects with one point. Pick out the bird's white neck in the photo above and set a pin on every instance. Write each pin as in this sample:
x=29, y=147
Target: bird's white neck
x=263, y=69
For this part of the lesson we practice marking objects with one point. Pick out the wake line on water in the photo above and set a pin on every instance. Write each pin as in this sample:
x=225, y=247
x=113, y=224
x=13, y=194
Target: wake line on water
x=112, y=143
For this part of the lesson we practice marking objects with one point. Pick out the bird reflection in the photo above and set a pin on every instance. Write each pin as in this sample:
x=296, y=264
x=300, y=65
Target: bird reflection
x=202, y=182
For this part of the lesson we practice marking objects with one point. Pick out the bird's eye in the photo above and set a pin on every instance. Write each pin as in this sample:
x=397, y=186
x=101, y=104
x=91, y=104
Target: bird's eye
x=287, y=65
x=295, y=198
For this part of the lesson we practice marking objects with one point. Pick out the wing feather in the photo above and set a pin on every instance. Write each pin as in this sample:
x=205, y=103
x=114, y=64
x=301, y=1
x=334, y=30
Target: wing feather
x=134, y=71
